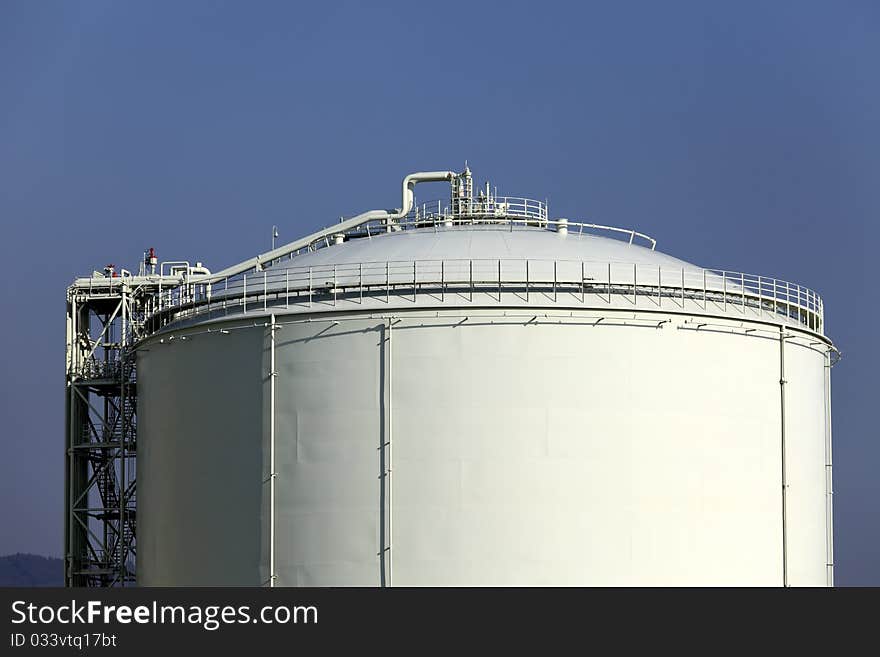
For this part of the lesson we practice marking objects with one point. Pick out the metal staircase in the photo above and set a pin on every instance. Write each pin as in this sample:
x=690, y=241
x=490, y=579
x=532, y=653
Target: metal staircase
x=100, y=512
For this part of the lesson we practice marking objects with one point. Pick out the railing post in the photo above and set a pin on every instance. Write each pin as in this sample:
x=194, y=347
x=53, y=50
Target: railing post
x=705, y=300
x=609, y=283
x=471, y=278
x=442, y=281
x=554, y=281
x=244, y=293
x=310, y=286
x=265, y=289
x=724, y=288
x=387, y=283
x=742, y=277
x=527, y=281
x=787, y=299
x=682, y=287
x=361, y=280
x=760, y=298
x=635, y=301
x=334, y=285
x=800, y=305
x=415, y=281
x=583, y=282
x=287, y=288
x=775, y=301
x=659, y=286
x=499, y=280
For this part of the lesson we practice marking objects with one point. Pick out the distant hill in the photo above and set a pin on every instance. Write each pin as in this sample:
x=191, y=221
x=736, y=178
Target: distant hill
x=31, y=570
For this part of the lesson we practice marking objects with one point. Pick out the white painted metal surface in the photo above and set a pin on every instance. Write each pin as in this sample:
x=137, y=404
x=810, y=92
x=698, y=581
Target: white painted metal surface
x=582, y=411
x=557, y=451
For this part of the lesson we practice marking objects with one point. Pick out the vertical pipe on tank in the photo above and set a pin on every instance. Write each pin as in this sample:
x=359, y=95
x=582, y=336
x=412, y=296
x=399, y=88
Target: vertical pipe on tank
x=388, y=462
x=782, y=383
x=829, y=489
x=272, y=328
x=390, y=455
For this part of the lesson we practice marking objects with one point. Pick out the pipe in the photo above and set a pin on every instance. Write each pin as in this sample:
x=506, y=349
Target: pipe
x=389, y=475
x=829, y=486
x=782, y=383
x=197, y=271
x=409, y=182
x=173, y=265
x=272, y=475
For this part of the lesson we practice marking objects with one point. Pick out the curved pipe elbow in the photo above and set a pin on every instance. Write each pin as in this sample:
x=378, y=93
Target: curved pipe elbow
x=411, y=181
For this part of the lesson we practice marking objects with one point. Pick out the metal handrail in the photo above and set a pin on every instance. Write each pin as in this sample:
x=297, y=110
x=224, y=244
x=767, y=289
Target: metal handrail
x=507, y=210
x=497, y=210
x=475, y=208
x=605, y=282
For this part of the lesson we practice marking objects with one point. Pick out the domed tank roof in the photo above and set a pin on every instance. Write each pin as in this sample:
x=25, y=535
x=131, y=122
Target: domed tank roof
x=476, y=249
x=479, y=242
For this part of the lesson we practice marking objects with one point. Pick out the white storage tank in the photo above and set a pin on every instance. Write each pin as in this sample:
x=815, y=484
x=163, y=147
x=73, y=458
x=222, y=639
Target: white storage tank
x=471, y=393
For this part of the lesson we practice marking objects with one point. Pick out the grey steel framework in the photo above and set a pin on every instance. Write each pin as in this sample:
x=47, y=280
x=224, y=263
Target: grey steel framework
x=107, y=315
x=104, y=316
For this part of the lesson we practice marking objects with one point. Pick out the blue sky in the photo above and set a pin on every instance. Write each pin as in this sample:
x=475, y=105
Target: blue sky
x=741, y=135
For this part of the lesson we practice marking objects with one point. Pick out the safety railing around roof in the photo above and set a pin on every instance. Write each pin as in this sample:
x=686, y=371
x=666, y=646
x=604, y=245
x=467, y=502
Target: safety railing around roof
x=511, y=212
x=517, y=282
x=475, y=209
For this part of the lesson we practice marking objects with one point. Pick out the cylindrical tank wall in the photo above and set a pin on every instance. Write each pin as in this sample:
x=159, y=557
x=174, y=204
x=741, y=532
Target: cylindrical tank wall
x=476, y=448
